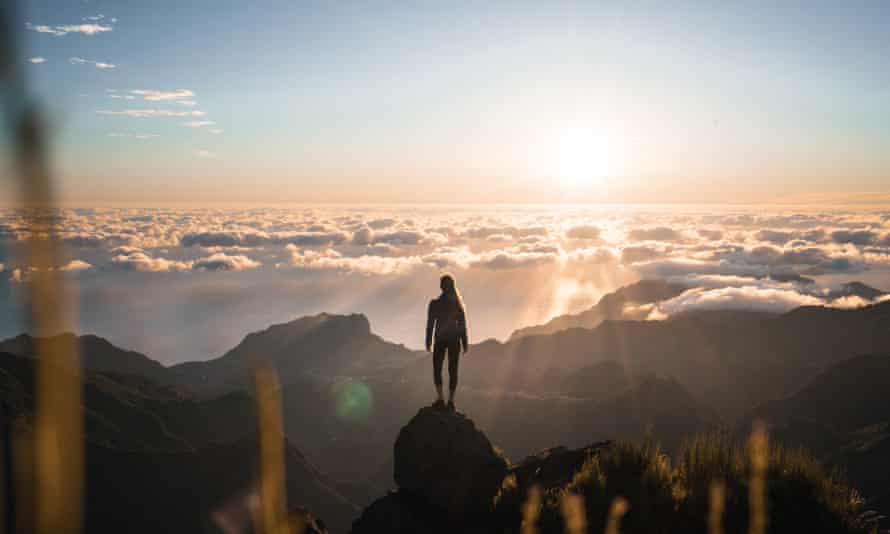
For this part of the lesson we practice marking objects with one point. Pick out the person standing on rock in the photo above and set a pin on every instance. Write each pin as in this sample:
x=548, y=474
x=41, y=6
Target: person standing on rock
x=446, y=331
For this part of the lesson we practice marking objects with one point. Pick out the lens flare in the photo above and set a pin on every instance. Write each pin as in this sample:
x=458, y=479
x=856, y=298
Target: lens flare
x=354, y=400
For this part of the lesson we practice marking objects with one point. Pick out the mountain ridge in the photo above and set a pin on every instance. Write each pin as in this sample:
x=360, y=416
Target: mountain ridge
x=610, y=306
x=101, y=355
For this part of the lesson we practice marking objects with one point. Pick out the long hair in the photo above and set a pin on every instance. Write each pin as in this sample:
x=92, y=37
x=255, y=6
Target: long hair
x=449, y=288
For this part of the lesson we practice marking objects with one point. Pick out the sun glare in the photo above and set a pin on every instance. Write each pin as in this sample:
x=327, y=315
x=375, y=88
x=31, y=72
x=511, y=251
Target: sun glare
x=582, y=158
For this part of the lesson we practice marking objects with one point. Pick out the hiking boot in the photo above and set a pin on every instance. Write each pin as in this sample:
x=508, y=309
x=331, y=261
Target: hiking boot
x=451, y=407
x=439, y=404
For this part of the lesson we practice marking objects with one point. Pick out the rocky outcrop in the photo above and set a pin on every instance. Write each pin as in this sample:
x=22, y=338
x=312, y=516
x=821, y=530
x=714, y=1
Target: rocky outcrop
x=448, y=474
x=442, y=456
x=451, y=479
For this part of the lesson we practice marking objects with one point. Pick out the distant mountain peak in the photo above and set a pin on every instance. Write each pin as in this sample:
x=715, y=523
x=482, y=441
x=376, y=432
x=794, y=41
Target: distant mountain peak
x=355, y=323
x=857, y=289
x=323, y=345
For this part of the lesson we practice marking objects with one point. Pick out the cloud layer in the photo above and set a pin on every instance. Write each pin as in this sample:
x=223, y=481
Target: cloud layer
x=517, y=267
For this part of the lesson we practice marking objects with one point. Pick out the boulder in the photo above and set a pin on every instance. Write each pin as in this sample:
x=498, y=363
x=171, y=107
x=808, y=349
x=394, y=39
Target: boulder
x=441, y=456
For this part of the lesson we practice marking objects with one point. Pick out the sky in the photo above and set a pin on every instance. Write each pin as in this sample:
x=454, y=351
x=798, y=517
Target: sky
x=213, y=103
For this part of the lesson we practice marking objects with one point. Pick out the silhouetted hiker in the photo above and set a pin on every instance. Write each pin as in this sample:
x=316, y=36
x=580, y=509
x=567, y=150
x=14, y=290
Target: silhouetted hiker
x=446, y=323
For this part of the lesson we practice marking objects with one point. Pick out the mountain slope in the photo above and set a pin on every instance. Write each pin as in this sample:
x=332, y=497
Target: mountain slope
x=179, y=492
x=96, y=354
x=843, y=416
x=133, y=413
x=159, y=460
x=849, y=395
x=611, y=306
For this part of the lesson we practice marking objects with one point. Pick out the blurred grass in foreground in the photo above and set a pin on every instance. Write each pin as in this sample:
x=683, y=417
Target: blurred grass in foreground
x=715, y=487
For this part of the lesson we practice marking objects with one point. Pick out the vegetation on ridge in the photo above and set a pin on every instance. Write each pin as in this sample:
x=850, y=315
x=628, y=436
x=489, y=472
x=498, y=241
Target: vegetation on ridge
x=801, y=496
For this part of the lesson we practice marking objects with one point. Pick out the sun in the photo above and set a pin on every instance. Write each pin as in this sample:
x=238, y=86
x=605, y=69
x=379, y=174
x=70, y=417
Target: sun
x=582, y=158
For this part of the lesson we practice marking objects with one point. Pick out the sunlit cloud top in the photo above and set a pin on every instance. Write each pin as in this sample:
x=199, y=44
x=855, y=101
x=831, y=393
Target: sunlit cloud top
x=517, y=266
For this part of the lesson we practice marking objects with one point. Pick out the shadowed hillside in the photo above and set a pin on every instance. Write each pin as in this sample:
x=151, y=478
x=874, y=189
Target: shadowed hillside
x=133, y=413
x=96, y=353
x=844, y=417
x=179, y=492
x=161, y=461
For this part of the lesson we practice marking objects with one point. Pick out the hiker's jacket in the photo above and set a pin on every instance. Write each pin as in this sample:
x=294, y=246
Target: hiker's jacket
x=446, y=321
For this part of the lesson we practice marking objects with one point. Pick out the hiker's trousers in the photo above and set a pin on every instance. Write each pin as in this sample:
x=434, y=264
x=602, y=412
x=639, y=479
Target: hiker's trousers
x=440, y=347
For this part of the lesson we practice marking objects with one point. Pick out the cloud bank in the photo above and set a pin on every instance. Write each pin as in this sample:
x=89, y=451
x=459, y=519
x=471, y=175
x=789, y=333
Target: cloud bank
x=517, y=266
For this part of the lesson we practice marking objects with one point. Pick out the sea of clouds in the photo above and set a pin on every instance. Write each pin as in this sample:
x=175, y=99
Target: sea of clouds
x=183, y=284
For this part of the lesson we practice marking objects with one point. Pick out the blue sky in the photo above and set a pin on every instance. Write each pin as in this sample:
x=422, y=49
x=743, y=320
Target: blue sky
x=464, y=101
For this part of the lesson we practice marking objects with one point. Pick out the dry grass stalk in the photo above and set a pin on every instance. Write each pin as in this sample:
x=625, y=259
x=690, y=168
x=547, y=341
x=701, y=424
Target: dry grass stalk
x=617, y=510
x=758, y=449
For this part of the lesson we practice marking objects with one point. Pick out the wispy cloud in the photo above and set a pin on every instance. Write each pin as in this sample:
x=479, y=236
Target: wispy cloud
x=133, y=136
x=198, y=124
x=94, y=18
x=97, y=64
x=215, y=131
x=37, y=59
x=59, y=31
x=143, y=113
x=122, y=97
x=186, y=102
x=156, y=95
x=205, y=154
